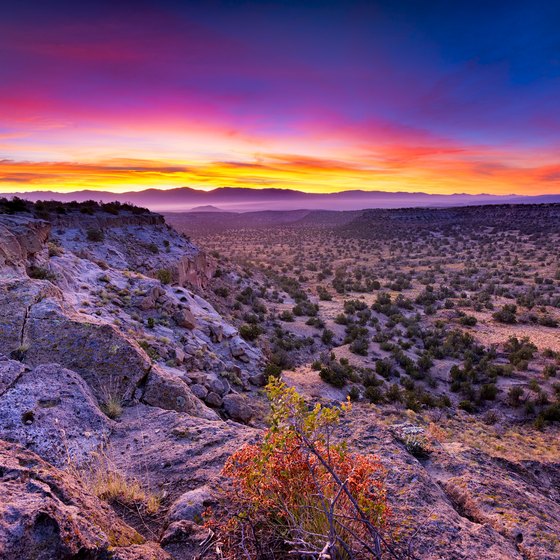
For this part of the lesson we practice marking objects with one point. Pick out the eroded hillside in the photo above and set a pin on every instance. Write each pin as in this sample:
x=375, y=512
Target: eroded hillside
x=131, y=368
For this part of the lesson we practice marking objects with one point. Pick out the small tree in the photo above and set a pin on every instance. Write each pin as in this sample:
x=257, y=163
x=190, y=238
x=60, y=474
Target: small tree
x=299, y=494
x=507, y=314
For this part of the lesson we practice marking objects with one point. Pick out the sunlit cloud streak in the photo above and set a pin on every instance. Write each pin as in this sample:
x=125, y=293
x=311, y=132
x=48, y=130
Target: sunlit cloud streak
x=441, y=97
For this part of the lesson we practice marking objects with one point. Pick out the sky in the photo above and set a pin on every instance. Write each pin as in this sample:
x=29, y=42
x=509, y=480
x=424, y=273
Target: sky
x=320, y=96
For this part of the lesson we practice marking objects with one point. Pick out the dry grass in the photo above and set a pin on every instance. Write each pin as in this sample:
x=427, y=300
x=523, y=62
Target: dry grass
x=112, y=486
x=103, y=479
x=112, y=407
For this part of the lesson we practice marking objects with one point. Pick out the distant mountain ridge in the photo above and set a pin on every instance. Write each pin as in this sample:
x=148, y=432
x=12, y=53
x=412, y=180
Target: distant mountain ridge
x=236, y=199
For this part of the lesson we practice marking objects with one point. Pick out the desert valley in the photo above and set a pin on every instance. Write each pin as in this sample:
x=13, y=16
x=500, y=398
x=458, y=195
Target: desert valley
x=136, y=350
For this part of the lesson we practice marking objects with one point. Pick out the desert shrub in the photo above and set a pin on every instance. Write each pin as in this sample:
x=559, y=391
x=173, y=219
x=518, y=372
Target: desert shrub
x=95, y=235
x=14, y=205
x=374, y=394
x=467, y=406
x=298, y=494
x=112, y=407
x=305, y=308
x=548, y=321
x=40, y=273
x=468, y=321
x=520, y=351
x=327, y=337
x=287, y=316
x=353, y=305
x=164, y=275
x=250, y=331
x=507, y=314
x=359, y=346
x=393, y=393
x=221, y=291
x=272, y=370
x=488, y=392
x=324, y=294
x=333, y=376
x=514, y=395
x=551, y=414
x=384, y=368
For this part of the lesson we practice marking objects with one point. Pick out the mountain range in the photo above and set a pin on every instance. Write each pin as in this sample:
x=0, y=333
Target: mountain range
x=245, y=200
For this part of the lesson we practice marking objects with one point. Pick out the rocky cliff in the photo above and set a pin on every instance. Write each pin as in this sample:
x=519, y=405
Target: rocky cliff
x=104, y=340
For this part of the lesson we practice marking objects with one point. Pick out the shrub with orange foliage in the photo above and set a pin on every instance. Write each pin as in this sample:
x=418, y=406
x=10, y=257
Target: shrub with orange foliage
x=298, y=494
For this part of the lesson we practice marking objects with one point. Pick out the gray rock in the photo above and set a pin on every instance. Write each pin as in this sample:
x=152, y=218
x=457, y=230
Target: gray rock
x=199, y=391
x=51, y=411
x=213, y=399
x=165, y=389
x=237, y=408
x=259, y=380
x=185, y=318
x=191, y=505
x=217, y=385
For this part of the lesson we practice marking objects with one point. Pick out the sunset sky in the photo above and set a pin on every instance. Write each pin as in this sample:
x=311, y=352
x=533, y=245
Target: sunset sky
x=319, y=96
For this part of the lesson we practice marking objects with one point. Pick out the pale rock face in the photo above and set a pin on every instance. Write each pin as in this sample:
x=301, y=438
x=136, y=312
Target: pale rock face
x=17, y=297
x=110, y=362
x=21, y=238
x=51, y=411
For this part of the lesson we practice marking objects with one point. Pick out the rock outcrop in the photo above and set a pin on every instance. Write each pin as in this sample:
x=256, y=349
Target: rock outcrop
x=52, y=411
x=21, y=239
x=107, y=350
x=46, y=514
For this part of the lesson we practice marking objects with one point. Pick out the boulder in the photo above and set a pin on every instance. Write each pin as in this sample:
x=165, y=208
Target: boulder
x=185, y=318
x=199, y=391
x=237, y=408
x=47, y=514
x=258, y=380
x=213, y=399
x=191, y=505
x=165, y=389
x=216, y=384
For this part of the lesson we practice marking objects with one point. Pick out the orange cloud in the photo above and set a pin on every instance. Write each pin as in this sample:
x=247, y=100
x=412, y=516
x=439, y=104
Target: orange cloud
x=431, y=169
